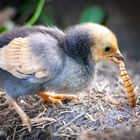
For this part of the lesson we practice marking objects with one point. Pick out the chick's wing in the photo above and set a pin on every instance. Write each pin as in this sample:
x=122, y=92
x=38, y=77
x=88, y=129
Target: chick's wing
x=18, y=59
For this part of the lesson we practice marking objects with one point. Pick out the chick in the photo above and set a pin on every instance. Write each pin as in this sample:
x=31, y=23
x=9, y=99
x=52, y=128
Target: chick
x=39, y=60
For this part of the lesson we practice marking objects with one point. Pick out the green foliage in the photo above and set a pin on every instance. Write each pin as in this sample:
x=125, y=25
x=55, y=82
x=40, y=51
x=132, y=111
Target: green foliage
x=26, y=10
x=138, y=100
x=93, y=14
x=40, y=15
x=32, y=12
x=3, y=29
x=37, y=13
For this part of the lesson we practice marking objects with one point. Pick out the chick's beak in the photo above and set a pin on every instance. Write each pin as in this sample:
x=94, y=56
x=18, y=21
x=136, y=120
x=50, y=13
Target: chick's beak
x=119, y=56
x=116, y=57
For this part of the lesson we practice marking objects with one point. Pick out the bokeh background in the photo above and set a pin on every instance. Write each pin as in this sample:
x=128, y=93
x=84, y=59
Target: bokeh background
x=105, y=105
x=123, y=17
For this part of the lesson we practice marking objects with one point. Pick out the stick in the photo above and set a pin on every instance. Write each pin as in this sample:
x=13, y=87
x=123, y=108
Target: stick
x=69, y=123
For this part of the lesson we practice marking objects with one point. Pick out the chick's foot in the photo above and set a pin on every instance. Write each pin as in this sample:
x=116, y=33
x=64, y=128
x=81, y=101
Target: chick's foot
x=52, y=98
x=24, y=117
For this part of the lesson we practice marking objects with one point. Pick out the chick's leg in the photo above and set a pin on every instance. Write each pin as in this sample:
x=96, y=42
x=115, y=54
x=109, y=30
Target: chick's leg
x=25, y=119
x=56, y=98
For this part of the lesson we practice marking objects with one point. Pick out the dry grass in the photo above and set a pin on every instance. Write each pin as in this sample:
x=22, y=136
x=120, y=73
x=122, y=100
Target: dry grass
x=99, y=111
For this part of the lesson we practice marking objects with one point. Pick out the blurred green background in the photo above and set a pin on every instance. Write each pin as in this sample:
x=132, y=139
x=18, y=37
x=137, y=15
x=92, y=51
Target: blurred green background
x=120, y=16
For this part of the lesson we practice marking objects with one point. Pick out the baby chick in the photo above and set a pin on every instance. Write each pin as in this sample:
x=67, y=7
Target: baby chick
x=39, y=60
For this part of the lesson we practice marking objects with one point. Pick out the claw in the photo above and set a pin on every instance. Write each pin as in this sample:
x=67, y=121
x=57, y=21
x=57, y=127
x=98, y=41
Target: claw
x=56, y=98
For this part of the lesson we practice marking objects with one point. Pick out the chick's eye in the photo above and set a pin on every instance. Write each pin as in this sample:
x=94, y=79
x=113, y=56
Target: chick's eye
x=107, y=49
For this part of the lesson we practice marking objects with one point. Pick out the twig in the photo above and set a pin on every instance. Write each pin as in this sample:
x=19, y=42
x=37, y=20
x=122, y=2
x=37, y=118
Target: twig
x=33, y=125
x=69, y=123
x=4, y=105
x=43, y=125
x=90, y=117
x=41, y=114
x=21, y=130
x=109, y=99
x=39, y=120
x=129, y=112
x=63, y=112
x=14, y=133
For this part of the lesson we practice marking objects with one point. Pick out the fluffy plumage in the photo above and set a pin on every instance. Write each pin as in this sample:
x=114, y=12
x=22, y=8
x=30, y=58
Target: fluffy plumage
x=40, y=59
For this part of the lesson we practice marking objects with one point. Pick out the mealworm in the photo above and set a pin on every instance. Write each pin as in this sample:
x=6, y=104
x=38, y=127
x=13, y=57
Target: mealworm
x=127, y=83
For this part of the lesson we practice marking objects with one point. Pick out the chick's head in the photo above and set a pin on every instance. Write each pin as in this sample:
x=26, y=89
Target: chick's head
x=105, y=45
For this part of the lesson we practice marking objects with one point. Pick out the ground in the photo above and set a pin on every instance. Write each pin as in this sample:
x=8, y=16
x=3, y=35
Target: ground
x=101, y=113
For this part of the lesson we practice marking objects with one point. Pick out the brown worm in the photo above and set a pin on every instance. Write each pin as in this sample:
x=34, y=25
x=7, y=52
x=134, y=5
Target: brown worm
x=127, y=83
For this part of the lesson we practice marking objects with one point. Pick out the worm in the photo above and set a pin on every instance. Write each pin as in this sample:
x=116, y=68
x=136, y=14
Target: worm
x=127, y=84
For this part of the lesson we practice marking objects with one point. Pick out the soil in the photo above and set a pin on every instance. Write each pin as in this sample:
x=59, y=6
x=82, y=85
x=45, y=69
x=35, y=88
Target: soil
x=102, y=112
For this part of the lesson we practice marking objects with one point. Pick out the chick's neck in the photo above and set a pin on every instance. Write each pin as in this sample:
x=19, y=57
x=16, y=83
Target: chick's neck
x=78, y=43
